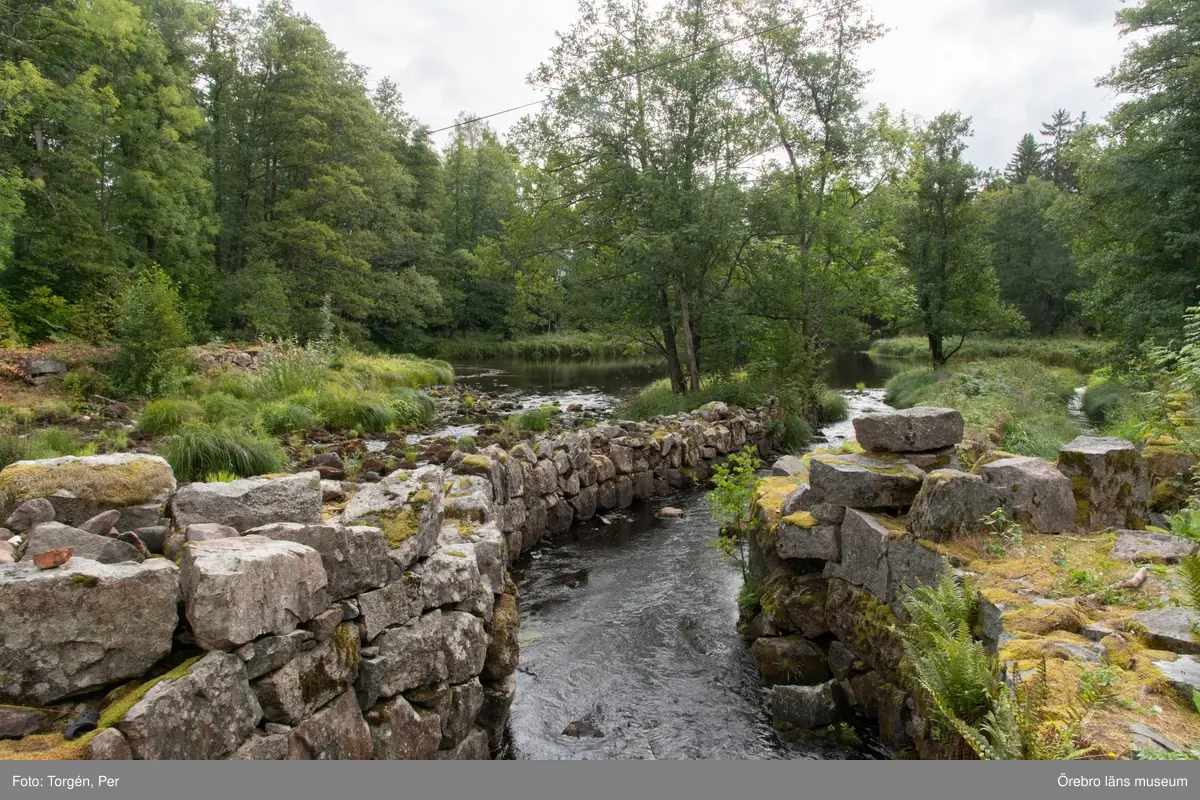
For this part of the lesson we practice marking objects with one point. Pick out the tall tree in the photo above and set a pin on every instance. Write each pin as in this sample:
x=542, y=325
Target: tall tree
x=1057, y=133
x=943, y=233
x=1026, y=161
x=1139, y=210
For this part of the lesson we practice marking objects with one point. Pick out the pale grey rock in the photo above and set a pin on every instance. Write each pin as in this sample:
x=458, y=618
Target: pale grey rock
x=337, y=732
x=29, y=515
x=109, y=745
x=1172, y=629
x=53, y=535
x=269, y=653
x=912, y=430
x=401, y=732
x=355, y=557
x=952, y=505
x=398, y=603
x=464, y=646
x=1039, y=495
x=409, y=657
x=1147, y=547
x=310, y=680
x=102, y=523
x=448, y=576
x=863, y=482
x=1111, y=482
x=250, y=502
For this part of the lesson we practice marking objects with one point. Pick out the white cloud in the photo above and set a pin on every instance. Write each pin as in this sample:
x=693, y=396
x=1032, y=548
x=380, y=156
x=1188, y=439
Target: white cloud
x=1007, y=63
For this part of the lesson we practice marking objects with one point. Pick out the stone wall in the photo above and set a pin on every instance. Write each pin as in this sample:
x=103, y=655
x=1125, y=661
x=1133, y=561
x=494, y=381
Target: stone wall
x=842, y=534
x=257, y=620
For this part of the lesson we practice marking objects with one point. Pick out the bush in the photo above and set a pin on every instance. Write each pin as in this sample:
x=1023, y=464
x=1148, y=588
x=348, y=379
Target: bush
x=1083, y=355
x=286, y=369
x=151, y=334
x=1102, y=400
x=412, y=408
x=834, y=406
x=220, y=407
x=167, y=416
x=287, y=416
x=348, y=410
x=202, y=449
x=83, y=382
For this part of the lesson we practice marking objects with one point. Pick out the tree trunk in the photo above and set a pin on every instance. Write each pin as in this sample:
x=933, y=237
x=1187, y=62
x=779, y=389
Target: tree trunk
x=689, y=340
x=936, y=352
x=672, y=353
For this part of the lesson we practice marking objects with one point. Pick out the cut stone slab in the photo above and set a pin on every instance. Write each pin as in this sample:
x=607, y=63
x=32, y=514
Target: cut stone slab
x=912, y=563
x=472, y=748
x=80, y=488
x=53, y=535
x=398, y=603
x=17, y=722
x=1155, y=548
x=465, y=643
x=250, y=502
x=205, y=714
x=789, y=660
x=102, y=523
x=801, y=536
x=1039, y=496
x=236, y=590
x=310, y=680
x=355, y=558
x=207, y=531
x=858, y=481
x=456, y=707
x=449, y=576
x=497, y=704
x=805, y=707
x=1172, y=629
x=29, y=515
x=83, y=626
x=1110, y=480
x=912, y=430
x=864, y=553
x=337, y=732
x=408, y=507
x=401, y=732
x=503, y=650
x=951, y=505
x=408, y=657
x=269, y=653
x=1183, y=673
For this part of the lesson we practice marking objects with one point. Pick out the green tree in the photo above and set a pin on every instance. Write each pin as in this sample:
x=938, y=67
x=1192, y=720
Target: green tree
x=1031, y=255
x=1026, y=162
x=1055, y=151
x=943, y=231
x=151, y=333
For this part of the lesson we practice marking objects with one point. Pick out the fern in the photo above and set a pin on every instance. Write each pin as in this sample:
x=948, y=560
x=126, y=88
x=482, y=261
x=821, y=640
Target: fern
x=1189, y=568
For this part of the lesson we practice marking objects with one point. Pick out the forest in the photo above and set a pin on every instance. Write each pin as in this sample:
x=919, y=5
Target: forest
x=704, y=183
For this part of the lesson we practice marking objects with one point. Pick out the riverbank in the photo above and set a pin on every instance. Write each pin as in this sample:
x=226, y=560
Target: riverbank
x=540, y=347
x=1080, y=354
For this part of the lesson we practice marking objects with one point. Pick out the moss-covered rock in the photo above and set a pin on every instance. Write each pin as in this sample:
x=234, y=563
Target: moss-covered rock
x=80, y=488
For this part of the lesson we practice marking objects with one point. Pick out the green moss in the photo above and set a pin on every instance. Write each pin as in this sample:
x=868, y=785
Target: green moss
x=801, y=519
x=476, y=465
x=117, y=485
x=115, y=711
x=85, y=580
x=398, y=525
x=456, y=553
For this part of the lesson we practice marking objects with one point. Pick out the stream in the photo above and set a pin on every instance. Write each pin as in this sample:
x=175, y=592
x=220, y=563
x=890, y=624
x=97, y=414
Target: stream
x=632, y=627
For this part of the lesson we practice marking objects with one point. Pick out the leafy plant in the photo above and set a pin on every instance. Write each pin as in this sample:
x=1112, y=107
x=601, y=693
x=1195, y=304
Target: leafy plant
x=734, y=485
x=1006, y=533
x=1186, y=524
x=1189, y=569
x=151, y=333
x=168, y=415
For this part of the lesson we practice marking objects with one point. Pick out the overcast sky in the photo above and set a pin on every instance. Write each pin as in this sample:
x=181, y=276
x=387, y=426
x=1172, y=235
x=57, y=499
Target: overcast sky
x=1007, y=63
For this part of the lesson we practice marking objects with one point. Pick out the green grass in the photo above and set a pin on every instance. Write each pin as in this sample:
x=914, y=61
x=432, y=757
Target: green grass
x=535, y=420
x=1082, y=355
x=281, y=417
x=167, y=415
x=543, y=347
x=834, y=406
x=346, y=409
x=1015, y=403
x=1103, y=400
x=202, y=449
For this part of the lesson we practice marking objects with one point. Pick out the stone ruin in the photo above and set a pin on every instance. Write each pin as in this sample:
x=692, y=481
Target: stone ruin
x=841, y=534
x=253, y=620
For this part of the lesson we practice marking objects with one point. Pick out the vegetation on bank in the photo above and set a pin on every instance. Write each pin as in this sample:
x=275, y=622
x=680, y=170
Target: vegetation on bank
x=1012, y=404
x=1079, y=354
x=573, y=346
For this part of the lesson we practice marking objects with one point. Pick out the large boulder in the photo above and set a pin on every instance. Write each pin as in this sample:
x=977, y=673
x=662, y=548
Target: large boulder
x=53, y=535
x=398, y=603
x=355, y=558
x=408, y=507
x=456, y=707
x=464, y=645
x=1039, y=496
x=337, y=732
x=789, y=660
x=1172, y=629
x=448, y=576
x=913, y=430
x=80, y=488
x=311, y=679
x=401, y=732
x=952, y=504
x=858, y=481
x=250, y=502
x=204, y=713
x=805, y=707
x=913, y=563
x=236, y=590
x=1110, y=480
x=82, y=626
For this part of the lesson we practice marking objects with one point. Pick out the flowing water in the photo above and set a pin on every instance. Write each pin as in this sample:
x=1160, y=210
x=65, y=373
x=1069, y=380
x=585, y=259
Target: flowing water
x=632, y=627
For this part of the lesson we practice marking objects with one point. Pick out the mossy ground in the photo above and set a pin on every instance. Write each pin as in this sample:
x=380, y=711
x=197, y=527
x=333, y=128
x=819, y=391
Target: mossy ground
x=118, y=485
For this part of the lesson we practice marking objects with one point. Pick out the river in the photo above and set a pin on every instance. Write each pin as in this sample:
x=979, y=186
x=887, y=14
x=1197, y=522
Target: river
x=631, y=627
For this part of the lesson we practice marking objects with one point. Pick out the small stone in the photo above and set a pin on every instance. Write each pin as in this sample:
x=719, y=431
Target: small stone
x=805, y=707
x=669, y=512
x=1095, y=631
x=583, y=729
x=106, y=550
x=102, y=523
x=8, y=553
x=1171, y=629
x=1183, y=674
x=30, y=514
x=50, y=559
x=18, y=722
x=788, y=466
x=109, y=745
x=324, y=624
x=153, y=537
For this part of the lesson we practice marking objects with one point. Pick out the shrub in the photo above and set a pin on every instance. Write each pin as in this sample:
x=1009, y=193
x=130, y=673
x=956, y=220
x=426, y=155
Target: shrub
x=83, y=382
x=535, y=420
x=834, y=406
x=166, y=416
x=287, y=416
x=151, y=334
x=220, y=407
x=412, y=408
x=1102, y=399
x=345, y=409
x=465, y=442
x=902, y=391
x=286, y=369
x=202, y=449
